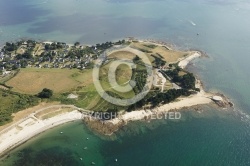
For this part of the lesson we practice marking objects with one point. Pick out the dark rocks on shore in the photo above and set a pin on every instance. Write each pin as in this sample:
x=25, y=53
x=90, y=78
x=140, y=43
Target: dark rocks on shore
x=102, y=126
x=222, y=101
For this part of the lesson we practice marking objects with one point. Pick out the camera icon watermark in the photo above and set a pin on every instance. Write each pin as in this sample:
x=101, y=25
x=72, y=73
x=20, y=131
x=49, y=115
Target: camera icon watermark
x=112, y=77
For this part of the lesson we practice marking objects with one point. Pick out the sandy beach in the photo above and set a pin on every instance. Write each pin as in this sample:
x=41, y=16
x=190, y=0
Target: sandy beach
x=184, y=62
x=30, y=127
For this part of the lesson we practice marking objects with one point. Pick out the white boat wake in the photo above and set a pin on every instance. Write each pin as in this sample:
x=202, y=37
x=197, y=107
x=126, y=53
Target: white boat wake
x=191, y=22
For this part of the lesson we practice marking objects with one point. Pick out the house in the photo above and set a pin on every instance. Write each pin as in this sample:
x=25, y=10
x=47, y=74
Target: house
x=25, y=43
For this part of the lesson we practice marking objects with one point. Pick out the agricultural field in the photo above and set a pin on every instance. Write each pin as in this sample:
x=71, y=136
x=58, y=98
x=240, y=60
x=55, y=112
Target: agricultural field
x=33, y=80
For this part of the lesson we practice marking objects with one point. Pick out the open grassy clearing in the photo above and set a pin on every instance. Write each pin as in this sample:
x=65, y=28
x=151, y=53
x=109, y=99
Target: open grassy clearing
x=33, y=80
x=122, y=55
x=170, y=56
x=141, y=47
x=123, y=75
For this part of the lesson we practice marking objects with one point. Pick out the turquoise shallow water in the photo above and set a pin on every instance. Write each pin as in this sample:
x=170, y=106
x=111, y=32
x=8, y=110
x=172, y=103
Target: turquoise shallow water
x=210, y=138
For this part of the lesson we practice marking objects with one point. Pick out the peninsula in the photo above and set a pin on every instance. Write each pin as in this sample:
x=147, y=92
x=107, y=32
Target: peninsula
x=45, y=84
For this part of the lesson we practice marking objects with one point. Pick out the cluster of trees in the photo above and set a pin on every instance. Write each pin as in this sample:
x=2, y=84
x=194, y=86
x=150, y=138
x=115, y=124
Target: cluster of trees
x=155, y=98
x=47, y=55
x=168, y=96
x=10, y=47
x=104, y=46
x=23, y=63
x=140, y=77
x=45, y=93
x=158, y=61
x=144, y=50
x=54, y=46
x=26, y=55
x=120, y=42
x=136, y=59
x=77, y=44
x=30, y=43
x=12, y=102
x=152, y=46
x=186, y=81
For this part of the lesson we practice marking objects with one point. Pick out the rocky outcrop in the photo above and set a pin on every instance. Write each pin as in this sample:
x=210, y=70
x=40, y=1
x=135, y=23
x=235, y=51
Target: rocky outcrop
x=222, y=101
x=103, y=127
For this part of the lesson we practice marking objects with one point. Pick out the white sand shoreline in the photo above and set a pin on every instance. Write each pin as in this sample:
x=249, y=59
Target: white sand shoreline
x=184, y=62
x=30, y=127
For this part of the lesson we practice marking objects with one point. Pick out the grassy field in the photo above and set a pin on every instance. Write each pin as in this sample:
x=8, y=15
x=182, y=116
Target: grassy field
x=89, y=97
x=122, y=55
x=170, y=56
x=123, y=75
x=33, y=80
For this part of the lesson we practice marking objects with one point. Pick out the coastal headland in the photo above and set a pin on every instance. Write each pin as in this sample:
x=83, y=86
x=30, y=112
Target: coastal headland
x=30, y=70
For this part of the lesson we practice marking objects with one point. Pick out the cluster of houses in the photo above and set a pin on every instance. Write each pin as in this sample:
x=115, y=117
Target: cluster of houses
x=56, y=59
x=42, y=56
x=62, y=62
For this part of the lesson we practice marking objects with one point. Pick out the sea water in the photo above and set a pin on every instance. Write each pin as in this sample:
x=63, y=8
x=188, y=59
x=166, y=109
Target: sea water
x=212, y=137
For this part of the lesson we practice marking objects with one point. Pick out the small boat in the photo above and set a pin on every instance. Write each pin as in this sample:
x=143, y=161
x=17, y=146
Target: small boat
x=93, y=163
x=85, y=148
x=61, y=132
x=80, y=158
x=87, y=138
x=116, y=160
